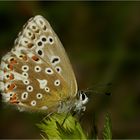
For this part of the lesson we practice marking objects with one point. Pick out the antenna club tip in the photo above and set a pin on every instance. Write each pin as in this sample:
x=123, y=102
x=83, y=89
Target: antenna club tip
x=108, y=93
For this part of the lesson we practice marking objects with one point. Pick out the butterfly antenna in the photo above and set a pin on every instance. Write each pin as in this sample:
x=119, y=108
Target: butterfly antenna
x=91, y=90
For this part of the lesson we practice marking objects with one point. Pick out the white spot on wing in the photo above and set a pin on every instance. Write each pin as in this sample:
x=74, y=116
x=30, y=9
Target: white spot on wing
x=6, y=96
x=25, y=41
x=58, y=69
x=44, y=107
x=25, y=74
x=25, y=68
x=3, y=65
x=47, y=89
x=42, y=83
x=1, y=75
x=57, y=82
x=37, y=68
x=33, y=103
x=2, y=86
x=50, y=40
x=18, y=76
x=24, y=95
x=29, y=88
x=49, y=71
x=26, y=82
x=43, y=39
x=39, y=20
x=39, y=95
x=7, y=75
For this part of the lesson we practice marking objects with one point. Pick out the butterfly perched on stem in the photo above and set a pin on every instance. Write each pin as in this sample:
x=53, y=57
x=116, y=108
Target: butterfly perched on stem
x=36, y=74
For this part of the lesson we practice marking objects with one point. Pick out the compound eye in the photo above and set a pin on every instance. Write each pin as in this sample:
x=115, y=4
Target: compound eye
x=83, y=98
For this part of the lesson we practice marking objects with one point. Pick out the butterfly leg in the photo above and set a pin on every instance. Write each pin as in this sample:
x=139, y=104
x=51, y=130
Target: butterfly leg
x=83, y=108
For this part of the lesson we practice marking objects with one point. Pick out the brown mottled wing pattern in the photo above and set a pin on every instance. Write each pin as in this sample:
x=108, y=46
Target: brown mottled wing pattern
x=36, y=74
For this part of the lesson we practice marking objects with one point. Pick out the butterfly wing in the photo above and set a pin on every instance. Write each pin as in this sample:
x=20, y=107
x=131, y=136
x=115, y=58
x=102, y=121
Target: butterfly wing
x=37, y=73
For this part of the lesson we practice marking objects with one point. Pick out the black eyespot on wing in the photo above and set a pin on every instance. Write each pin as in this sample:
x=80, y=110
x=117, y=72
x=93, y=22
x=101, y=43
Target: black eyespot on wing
x=25, y=68
x=50, y=39
x=12, y=59
x=39, y=43
x=25, y=95
x=44, y=39
x=8, y=86
x=44, y=28
x=29, y=33
x=21, y=56
x=58, y=69
x=33, y=27
x=55, y=60
x=30, y=45
x=40, y=52
x=49, y=70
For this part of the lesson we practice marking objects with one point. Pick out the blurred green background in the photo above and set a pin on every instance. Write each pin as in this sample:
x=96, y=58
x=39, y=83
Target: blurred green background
x=102, y=40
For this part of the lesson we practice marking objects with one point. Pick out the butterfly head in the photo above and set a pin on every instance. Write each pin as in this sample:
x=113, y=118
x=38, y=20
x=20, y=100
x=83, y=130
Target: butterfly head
x=82, y=99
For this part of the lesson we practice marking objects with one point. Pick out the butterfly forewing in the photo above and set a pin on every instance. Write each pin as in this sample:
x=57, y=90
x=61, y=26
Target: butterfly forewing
x=37, y=73
x=57, y=56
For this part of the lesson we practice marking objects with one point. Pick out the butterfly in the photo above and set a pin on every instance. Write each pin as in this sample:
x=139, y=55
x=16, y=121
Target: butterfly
x=36, y=75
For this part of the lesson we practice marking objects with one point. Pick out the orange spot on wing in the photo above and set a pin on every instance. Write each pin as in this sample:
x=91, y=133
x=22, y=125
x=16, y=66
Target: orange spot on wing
x=13, y=99
x=13, y=62
x=35, y=58
x=10, y=67
x=11, y=77
x=30, y=45
x=11, y=87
